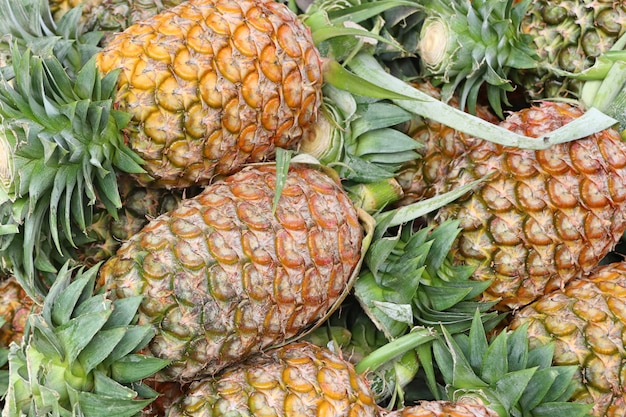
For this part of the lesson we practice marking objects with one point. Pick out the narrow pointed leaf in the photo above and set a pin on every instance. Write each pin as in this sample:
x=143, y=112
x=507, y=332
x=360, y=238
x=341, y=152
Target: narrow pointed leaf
x=132, y=368
x=78, y=332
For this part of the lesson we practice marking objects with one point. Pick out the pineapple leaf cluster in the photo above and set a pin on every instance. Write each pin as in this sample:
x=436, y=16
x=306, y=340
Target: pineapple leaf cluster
x=464, y=44
x=504, y=373
x=29, y=24
x=63, y=145
x=358, y=139
x=79, y=357
x=409, y=280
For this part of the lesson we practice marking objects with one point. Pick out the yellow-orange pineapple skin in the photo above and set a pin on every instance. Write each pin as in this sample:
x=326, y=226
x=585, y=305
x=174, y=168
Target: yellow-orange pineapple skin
x=106, y=233
x=15, y=306
x=587, y=322
x=444, y=409
x=214, y=84
x=298, y=379
x=542, y=217
x=225, y=277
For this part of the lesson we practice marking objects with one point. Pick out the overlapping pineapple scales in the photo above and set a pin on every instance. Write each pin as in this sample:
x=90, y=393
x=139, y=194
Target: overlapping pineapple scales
x=106, y=233
x=444, y=409
x=212, y=85
x=299, y=379
x=587, y=322
x=224, y=277
x=111, y=16
x=568, y=35
x=15, y=306
x=542, y=217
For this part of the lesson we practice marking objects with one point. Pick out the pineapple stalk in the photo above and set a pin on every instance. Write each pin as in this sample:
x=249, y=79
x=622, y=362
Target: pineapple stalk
x=479, y=45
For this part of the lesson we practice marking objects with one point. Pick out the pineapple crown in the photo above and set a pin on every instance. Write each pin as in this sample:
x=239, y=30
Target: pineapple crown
x=64, y=143
x=464, y=44
x=410, y=280
x=408, y=288
x=355, y=133
x=29, y=25
x=78, y=354
x=504, y=373
x=358, y=137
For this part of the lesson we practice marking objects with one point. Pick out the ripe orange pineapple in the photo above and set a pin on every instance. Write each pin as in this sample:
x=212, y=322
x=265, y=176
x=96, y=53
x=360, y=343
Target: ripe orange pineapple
x=586, y=320
x=299, y=379
x=224, y=277
x=541, y=218
x=212, y=85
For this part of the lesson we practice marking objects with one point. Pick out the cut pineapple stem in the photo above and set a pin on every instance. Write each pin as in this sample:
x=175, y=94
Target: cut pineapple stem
x=375, y=196
x=420, y=103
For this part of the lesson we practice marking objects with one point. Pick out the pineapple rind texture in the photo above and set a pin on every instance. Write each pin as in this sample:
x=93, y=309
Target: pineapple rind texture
x=15, y=306
x=541, y=218
x=568, y=35
x=444, y=409
x=587, y=322
x=224, y=278
x=212, y=85
x=298, y=379
x=106, y=233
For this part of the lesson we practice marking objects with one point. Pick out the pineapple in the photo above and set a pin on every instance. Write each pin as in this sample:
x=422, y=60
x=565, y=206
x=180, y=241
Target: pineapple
x=225, y=277
x=298, y=379
x=536, y=38
x=567, y=36
x=213, y=85
x=496, y=377
x=540, y=218
x=586, y=322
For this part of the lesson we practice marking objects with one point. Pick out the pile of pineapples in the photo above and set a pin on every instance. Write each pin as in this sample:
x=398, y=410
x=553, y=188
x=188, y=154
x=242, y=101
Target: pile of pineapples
x=315, y=208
